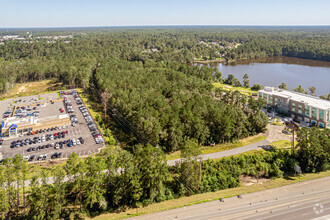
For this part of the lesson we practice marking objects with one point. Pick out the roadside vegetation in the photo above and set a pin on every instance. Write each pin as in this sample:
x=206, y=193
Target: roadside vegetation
x=141, y=178
x=211, y=196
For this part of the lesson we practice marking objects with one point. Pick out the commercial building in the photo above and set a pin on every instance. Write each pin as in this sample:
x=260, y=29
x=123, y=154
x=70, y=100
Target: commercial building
x=299, y=106
x=13, y=126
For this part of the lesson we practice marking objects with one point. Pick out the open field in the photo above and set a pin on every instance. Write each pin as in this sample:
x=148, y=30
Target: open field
x=32, y=88
x=206, y=197
x=245, y=91
x=221, y=147
x=283, y=144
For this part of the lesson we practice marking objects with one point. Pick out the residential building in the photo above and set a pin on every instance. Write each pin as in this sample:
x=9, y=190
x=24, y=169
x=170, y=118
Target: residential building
x=299, y=106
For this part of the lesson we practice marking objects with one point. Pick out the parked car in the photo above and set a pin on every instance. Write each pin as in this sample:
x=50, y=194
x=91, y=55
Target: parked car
x=82, y=141
x=31, y=158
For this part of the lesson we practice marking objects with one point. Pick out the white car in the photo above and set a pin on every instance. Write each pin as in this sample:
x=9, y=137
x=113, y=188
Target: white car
x=74, y=142
x=78, y=142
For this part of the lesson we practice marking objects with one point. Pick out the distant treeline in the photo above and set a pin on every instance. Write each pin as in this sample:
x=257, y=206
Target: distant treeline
x=73, y=61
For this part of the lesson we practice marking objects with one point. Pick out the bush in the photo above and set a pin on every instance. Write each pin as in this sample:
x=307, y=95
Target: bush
x=256, y=87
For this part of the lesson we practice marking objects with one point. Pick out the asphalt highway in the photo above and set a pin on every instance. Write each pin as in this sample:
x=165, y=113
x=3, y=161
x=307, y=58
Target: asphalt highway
x=305, y=200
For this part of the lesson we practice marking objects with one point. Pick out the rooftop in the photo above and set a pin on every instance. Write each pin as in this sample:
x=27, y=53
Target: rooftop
x=298, y=97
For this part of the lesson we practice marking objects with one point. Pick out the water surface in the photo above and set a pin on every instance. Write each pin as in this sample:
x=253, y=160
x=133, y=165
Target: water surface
x=275, y=70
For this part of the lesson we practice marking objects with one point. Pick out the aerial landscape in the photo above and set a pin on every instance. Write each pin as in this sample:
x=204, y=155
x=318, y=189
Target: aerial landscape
x=165, y=110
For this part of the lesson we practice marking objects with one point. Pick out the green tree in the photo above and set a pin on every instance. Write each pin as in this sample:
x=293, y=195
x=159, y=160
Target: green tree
x=312, y=90
x=189, y=169
x=230, y=79
x=4, y=204
x=283, y=86
x=313, y=149
x=299, y=89
x=152, y=166
x=236, y=83
x=257, y=87
x=94, y=183
x=57, y=193
x=246, y=80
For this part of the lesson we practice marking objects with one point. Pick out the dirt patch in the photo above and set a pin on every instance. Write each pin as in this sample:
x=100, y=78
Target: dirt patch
x=21, y=90
x=48, y=164
x=250, y=180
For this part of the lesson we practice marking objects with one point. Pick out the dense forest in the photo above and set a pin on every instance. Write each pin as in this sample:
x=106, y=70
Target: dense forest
x=171, y=103
x=143, y=177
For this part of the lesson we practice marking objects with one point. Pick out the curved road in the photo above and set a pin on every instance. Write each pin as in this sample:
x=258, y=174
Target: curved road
x=274, y=133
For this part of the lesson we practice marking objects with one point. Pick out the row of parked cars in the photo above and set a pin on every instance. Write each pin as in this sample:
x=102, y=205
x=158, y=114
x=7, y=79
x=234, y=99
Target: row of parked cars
x=7, y=113
x=92, y=127
x=39, y=139
x=58, y=145
x=45, y=130
x=40, y=157
x=68, y=105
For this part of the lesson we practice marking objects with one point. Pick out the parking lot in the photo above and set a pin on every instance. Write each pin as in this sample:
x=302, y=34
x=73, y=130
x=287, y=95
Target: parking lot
x=44, y=143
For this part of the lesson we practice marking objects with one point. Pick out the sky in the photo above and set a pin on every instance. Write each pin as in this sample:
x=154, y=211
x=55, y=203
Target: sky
x=86, y=13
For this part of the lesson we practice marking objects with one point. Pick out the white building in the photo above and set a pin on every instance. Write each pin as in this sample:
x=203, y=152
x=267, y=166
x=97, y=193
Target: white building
x=300, y=106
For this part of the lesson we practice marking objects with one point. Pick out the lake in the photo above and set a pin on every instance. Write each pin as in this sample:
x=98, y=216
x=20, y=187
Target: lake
x=273, y=71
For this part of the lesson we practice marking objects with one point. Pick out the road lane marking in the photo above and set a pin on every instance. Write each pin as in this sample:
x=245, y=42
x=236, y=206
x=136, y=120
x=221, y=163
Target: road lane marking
x=241, y=213
x=302, y=202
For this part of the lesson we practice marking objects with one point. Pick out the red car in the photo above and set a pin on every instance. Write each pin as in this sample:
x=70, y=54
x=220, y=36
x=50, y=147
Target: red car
x=67, y=131
x=61, y=110
x=55, y=134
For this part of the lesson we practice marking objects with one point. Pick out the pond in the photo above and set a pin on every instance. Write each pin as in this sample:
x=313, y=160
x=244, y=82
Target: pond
x=273, y=71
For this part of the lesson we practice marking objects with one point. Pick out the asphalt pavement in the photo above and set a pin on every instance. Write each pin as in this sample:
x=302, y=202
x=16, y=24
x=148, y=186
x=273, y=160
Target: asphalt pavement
x=305, y=200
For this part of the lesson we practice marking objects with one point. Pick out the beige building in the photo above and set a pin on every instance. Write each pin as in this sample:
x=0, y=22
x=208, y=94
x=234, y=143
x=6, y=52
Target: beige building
x=299, y=106
x=13, y=126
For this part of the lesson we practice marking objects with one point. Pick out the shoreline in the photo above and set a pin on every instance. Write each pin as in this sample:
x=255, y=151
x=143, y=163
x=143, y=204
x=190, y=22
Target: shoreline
x=211, y=61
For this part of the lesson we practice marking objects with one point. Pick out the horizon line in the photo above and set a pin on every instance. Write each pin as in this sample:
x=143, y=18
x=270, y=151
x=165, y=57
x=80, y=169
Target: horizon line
x=177, y=25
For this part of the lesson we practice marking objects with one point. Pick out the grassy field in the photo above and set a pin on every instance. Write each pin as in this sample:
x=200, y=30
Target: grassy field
x=33, y=88
x=221, y=147
x=283, y=144
x=246, y=91
x=211, y=196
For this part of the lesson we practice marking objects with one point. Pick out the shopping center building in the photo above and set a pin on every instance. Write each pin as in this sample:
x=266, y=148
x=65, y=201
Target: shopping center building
x=299, y=106
x=13, y=126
